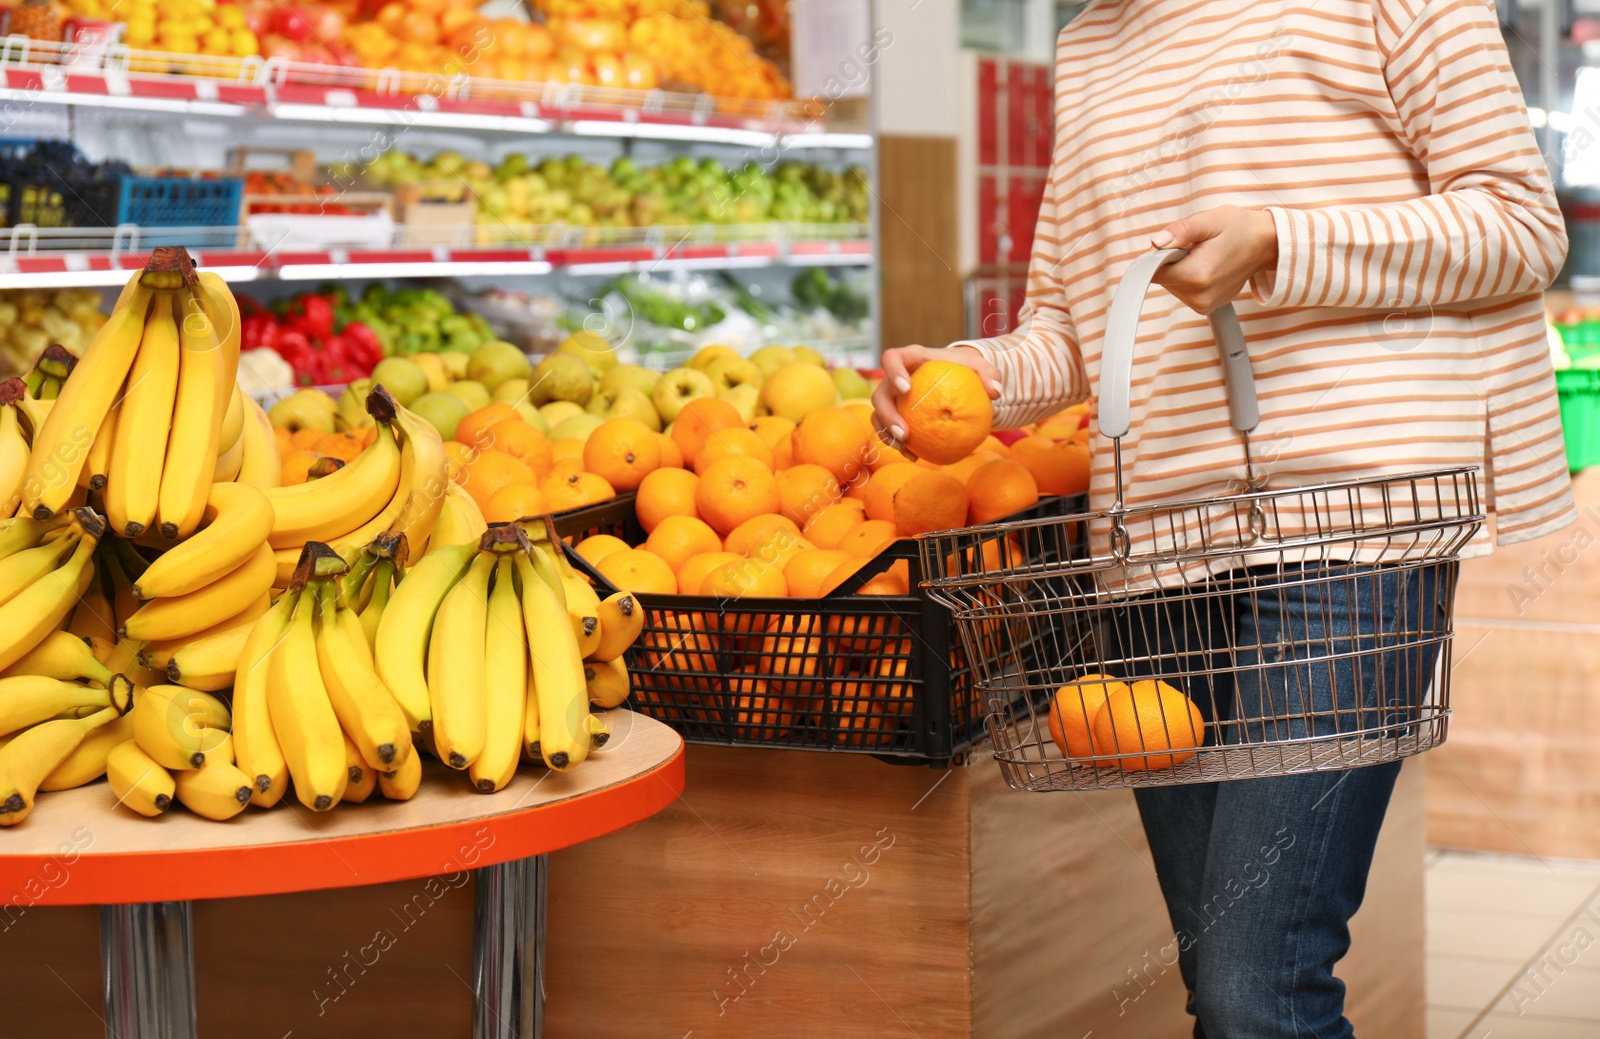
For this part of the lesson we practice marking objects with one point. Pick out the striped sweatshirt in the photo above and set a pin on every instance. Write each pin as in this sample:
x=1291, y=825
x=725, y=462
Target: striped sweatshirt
x=1403, y=327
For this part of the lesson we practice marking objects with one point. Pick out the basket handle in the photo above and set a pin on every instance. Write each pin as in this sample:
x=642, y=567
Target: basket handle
x=1116, y=356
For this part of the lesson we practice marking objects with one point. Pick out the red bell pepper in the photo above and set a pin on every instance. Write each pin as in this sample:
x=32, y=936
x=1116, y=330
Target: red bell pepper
x=311, y=314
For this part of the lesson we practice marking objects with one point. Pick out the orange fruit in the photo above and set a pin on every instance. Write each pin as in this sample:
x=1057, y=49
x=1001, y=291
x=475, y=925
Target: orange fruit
x=565, y=467
x=834, y=439
x=472, y=429
x=996, y=445
x=805, y=490
x=806, y=571
x=1058, y=467
x=964, y=469
x=746, y=578
x=597, y=546
x=881, y=456
x=456, y=456
x=692, y=574
x=513, y=502
x=733, y=490
x=880, y=490
x=563, y=491
x=947, y=412
x=725, y=443
x=285, y=440
x=665, y=492
x=635, y=570
x=678, y=538
x=998, y=489
x=491, y=471
x=829, y=526
x=866, y=540
x=840, y=574
x=756, y=531
x=1077, y=704
x=783, y=452
x=1145, y=719
x=671, y=453
x=791, y=652
x=515, y=437
x=930, y=501
x=566, y=449
x=623, y=451
x=890, y=582
x=772, y=428
x=698, y=420
x=777, y=547
x=294, y=466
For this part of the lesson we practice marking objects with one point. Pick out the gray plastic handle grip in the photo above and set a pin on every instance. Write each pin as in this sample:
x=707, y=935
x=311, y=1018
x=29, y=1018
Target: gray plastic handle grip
x=1122, y=326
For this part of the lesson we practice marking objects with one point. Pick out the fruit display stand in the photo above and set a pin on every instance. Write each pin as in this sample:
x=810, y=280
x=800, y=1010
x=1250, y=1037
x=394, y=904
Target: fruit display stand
x=145, y=876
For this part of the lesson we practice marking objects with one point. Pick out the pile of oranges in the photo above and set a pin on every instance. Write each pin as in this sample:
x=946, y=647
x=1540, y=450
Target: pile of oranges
x=304, y=449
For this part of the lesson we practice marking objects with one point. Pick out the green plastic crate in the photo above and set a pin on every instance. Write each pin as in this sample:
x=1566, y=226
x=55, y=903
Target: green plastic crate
x=1579, y=390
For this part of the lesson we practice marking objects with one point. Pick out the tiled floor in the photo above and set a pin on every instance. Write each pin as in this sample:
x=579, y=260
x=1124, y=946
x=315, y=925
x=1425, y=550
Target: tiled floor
x=1513, y=947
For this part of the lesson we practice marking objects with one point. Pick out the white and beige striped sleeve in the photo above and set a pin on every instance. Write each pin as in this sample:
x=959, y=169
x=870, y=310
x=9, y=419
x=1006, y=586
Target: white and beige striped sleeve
x=1490, y=225
x=1040, y=367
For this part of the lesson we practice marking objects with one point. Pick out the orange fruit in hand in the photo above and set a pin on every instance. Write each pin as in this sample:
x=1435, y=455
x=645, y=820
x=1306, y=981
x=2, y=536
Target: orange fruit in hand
x=733, y=490
x=635, y=570
x=515, y=437
x=880, y=490
x=676, y=539
x=491, y=471
x=829, y=526
x=834, y=439
x=698, y=420
x=947, y=412
x=1144, y=720
x=757, y=531
x=623, y=451
x=564, y=491
x=514, y=502
x=728, y=442
x=1058, y=467
x=930, y=501
x=745, y=578
x=806, y=571
x=1074, y=709
x=597, y=546
x=805, y=490
x=866, y=540
x=692, y=575
x=665, y=492
x=998, y=489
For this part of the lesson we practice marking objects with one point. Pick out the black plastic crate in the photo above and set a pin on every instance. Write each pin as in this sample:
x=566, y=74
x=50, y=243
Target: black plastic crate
x=874, y=674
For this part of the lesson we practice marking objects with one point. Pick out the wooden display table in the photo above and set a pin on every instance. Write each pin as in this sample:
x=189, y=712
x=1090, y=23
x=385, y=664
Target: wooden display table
x=145, y=872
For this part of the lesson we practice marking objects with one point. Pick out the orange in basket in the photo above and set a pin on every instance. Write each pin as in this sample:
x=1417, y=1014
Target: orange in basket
x=751, y=535
x=725, y=443
x=636, y=570
x=790, y=653
x=1059, y=467
x=867, y=539
x=1147, y=717
x=805, y=490
x=836, y=440
x=880, y=490
x=692, y=575
x=745, y=578
x=623, y=452
x=573, y=490
x=733, y=490
x=1074, y=710
x=699, y=419
x=806, y=571
x=829, y=526
x=677, y=539
x=665, y=492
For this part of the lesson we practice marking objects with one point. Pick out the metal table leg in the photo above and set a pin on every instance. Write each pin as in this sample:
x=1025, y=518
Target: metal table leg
x=508, y=952
x=147, y=959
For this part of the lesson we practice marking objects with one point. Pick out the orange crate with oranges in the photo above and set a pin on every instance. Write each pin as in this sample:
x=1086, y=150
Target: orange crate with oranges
x=874, y=674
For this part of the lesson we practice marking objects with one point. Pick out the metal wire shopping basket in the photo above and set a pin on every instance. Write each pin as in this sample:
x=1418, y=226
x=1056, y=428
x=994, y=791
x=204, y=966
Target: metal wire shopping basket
x=1308, y=627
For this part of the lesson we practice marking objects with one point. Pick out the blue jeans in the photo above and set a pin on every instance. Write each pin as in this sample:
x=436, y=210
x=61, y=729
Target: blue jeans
x=1261, y=876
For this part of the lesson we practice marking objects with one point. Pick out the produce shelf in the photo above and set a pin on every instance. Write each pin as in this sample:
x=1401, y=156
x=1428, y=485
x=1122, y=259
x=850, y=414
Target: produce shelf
x=115, y=76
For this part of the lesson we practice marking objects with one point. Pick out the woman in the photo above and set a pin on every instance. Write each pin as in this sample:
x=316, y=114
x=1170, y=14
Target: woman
x=1359, y=178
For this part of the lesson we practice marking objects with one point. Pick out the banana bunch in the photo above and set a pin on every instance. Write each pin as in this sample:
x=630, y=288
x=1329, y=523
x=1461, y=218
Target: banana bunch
x=49, y=372
x=150, y=408
x=182, y=748
x=46, y=565
x=461, y=521
x=398, y=483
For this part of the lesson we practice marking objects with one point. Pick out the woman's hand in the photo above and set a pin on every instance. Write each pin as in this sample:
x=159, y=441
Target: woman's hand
x=1227, y=247
x=899, y=363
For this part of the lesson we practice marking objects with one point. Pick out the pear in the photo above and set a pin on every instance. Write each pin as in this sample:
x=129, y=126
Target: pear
x=471, y=393
x=594, y=352
x=631, y=375
x=353, y=405
x=403, y=378
x=851, y=384
x=558, y=411
x=561, y=377
x=578, y=427
x=806, y=355
x=496, y=361
x=744, y=399
x=445, y=411
x=455, y=363
x=706, y=354
x=510, y=391
x=771, y=358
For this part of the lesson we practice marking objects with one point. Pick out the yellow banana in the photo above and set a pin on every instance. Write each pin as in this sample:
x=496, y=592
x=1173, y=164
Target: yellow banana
x=30, y=757
x=363, y=778
x=307, y=729
x=368, y=713
x=255, y=742
x=21, y=571
x=93, y=474
x=583, y=612
x=460, y=520
x=93, y=616
x=13, y=449
x=556, y=664
x=139, y=443
x=237, y=519
x=401, y=647
x=379, y=590
x=88, y=762
x=140, y=784
x=402, y=783
x=210, y=663
x=260, y=464
x=30, y=699
x=621, y=621
x=228, y=463
x=505, y=668
x=607, y=682
x=232, y=421
x=429, y=477
x=34, y=414
x=178, y=726
x=599, y=732
x=226, y=596
x=64, y=656
x=192, y=443
x=42, y=607
x=530, y=720
x=330, y=508
x=20, y=532
x=456, y=666
x=159, y=653
x=217, y=299
x=61, y=446
x=216, y=790
x=123, y=659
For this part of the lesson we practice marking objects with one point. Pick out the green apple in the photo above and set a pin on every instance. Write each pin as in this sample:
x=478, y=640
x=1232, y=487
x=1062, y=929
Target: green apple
x=744, y=399
x=402, y=377
x=578, y=427
x=706, y=354
x=624, y=403
x=596, y=354
x=304, y=409
x=444, y=410
x=626, y=376
x=727, y=372
x=558, y=411
x=496, y=361
x=471, y=393
x=852, y=385
x=806, y=355
x=771, y=358
x=677, y=388
x=561, y=377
